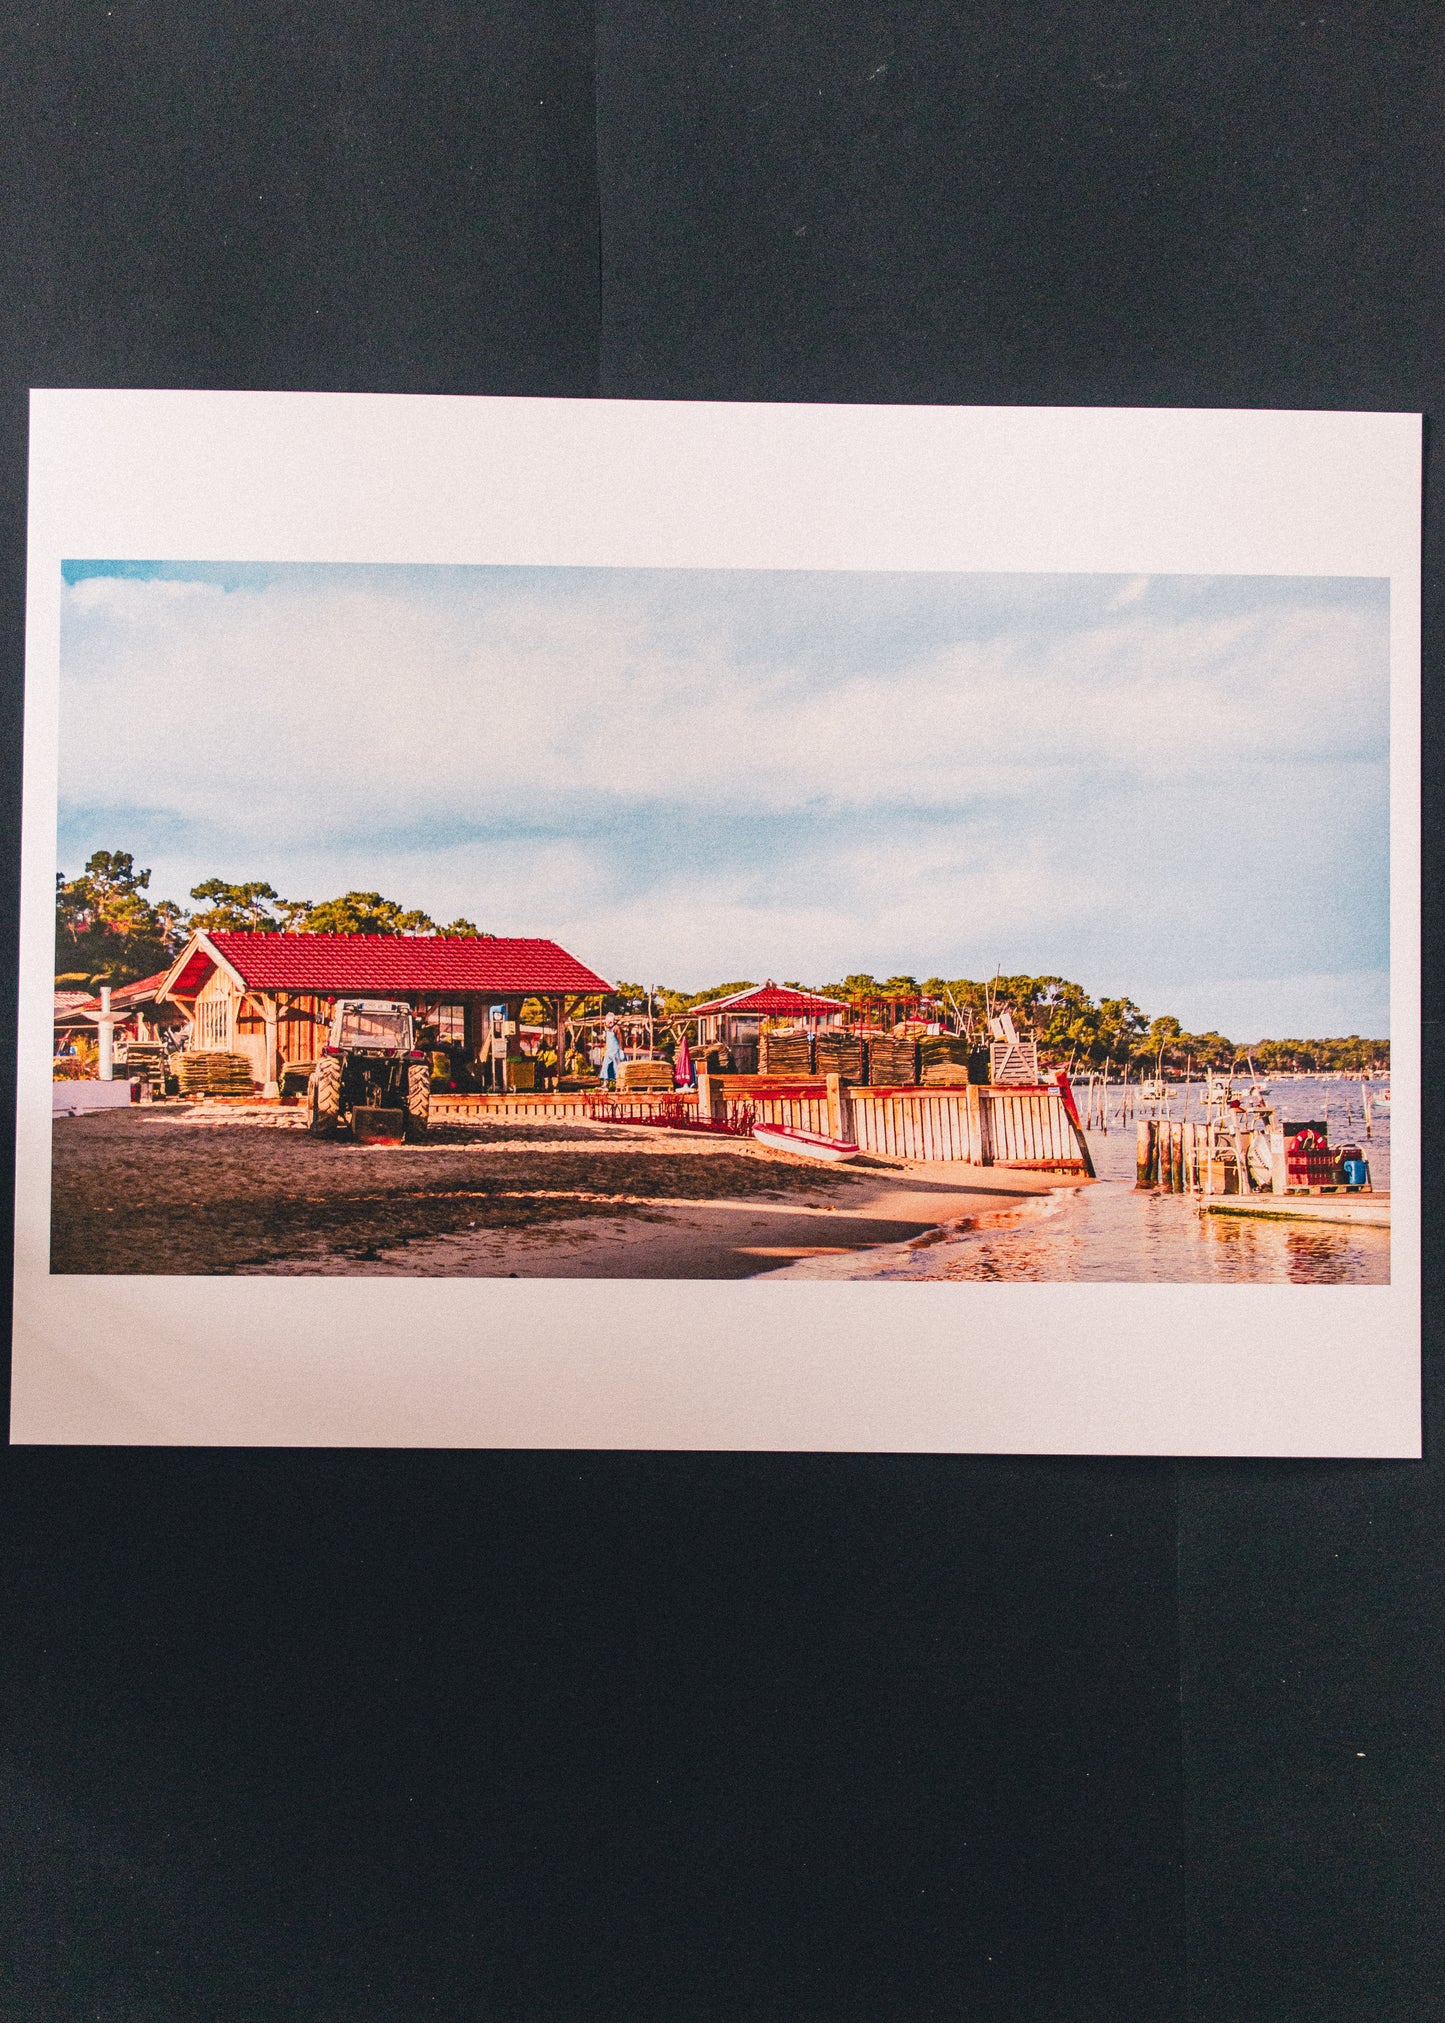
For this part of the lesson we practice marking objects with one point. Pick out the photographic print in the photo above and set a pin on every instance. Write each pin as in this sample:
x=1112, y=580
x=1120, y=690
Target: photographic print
x=713, y=924
x=647, y=925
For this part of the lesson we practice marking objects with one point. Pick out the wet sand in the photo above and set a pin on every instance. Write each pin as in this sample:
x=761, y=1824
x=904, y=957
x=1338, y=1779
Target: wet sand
x=164, y=1190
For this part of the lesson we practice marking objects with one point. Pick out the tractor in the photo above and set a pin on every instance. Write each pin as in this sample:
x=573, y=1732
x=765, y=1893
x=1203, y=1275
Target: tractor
x=372, y=1075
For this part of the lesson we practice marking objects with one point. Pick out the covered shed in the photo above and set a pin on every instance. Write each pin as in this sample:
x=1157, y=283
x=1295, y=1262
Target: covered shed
x=738, y=1019
x=135, y=1008
x=270, y=997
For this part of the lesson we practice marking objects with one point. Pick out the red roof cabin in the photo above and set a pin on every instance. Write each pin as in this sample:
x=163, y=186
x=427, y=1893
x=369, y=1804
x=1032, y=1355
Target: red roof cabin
x=270, y=997
x=738, y=1019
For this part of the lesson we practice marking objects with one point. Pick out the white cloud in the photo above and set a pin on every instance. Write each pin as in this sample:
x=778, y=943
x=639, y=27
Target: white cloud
x=1150, y=777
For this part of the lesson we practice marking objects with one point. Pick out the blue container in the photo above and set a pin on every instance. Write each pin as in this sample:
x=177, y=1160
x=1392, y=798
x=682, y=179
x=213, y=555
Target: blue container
x=1356, y=1172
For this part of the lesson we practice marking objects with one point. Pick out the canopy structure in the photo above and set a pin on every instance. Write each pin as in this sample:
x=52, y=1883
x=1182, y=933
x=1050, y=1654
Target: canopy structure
x=133, y=1004
x=739, y=1017
x=269, y=996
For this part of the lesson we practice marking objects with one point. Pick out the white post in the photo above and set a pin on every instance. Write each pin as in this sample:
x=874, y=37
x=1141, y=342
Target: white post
x=106, y=1034
x=271, y=1087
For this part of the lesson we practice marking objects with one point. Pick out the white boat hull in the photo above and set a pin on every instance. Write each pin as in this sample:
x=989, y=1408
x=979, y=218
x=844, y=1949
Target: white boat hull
x=809, y=1144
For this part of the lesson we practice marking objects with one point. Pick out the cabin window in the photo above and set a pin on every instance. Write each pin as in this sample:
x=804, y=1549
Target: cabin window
x=449, y=1021
x=213, y=1024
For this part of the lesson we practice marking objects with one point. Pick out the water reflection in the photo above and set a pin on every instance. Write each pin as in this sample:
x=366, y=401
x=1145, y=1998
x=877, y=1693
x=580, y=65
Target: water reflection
x=1113, y=1233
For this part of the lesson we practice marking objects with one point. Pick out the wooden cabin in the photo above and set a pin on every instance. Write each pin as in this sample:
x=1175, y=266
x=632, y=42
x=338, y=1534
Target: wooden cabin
x=738, y=1020
x=270, y=997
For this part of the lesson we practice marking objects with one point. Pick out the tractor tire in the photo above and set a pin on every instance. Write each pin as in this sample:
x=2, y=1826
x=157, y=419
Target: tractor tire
x=325, y=1101
x=418, y=1098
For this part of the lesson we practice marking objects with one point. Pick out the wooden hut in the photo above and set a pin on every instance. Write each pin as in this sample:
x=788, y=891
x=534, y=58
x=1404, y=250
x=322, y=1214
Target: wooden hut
x=137, y=1014
x=738, y=1019
x=269, y=997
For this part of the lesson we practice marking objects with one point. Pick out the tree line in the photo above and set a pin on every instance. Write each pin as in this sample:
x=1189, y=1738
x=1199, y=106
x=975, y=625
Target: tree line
x=109, y=930
x=1072, y=1028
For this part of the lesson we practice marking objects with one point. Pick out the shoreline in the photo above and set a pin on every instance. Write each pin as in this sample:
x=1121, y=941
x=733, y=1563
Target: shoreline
x=906, y=1208
x=202, y=1194
x=924, y=1259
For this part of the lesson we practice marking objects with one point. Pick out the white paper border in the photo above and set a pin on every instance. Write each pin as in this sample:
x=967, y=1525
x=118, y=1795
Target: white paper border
x=1057, y=1369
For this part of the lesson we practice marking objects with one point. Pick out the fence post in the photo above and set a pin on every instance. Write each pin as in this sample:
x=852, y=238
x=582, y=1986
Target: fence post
x=985, y=1122
x=975, y=1124
x=712, y=1103
x=840, y=1110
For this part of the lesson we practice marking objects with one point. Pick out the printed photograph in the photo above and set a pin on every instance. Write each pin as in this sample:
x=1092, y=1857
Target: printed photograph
x=490, y=922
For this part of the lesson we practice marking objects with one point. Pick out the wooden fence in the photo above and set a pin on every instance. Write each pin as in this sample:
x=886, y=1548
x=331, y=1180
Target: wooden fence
x=975, y=1125
x=513, y=1109
x=913, y=1123
x=1027, y=1127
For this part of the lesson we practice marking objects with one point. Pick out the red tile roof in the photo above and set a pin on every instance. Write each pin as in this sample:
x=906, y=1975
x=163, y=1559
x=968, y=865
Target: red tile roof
x=771, y=1000
x=141, y=991
x=335, y=965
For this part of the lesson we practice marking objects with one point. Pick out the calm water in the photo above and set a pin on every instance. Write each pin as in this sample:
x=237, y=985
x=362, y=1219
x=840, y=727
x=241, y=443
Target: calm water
x=1113, y=1232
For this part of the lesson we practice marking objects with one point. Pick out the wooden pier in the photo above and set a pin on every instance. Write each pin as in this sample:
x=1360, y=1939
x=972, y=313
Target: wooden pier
x=1213, y=1162
x=1361, y=1211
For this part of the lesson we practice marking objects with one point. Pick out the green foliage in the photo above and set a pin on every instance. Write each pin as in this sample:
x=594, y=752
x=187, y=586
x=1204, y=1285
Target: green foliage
x=252, y=907
x=1349, y=1056
x=106, y=929
x=366, y=913
x=671, y=1003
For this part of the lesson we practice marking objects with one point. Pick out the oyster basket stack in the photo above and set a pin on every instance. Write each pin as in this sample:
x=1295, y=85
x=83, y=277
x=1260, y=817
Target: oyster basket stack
x=214, y=1075
x=786, y=1054
x=892, y=1061
x=145, y=1061
x=838, y=1053
x=943, y=1060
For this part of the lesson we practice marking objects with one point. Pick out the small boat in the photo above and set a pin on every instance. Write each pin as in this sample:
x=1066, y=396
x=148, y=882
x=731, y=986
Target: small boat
x=810, y=1144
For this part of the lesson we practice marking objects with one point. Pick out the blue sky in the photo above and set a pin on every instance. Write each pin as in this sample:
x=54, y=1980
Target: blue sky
x=1175, y=787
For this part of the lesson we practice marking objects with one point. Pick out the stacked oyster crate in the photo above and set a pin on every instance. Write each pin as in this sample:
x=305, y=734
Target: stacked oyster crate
x=836, y=1052
x=787, y=1053
x=892, y=1061
x=944, y=1060
x=201, y=1075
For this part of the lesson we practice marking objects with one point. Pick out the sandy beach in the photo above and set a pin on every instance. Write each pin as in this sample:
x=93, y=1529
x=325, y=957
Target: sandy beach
x=168, y=1190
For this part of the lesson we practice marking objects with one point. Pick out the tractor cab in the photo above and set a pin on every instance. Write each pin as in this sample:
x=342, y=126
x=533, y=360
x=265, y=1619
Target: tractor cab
x=365, y=1025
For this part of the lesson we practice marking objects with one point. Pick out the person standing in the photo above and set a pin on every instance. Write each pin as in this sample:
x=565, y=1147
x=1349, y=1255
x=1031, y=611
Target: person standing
x=611, y=1052
x=498, y=1050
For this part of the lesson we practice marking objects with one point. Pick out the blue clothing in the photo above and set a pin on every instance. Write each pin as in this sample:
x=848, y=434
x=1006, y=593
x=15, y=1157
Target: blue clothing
x=611, y=1058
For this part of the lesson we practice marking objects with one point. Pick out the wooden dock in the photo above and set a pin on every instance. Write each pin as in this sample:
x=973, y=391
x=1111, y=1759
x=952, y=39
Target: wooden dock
x=1362, y=1211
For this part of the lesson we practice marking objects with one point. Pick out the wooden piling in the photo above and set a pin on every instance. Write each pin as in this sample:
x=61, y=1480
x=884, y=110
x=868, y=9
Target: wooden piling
x=1144, y=1153
x=840, y=1110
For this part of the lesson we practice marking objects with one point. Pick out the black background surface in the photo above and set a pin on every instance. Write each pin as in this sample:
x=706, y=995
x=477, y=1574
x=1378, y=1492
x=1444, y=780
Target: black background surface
x=293, y=1735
